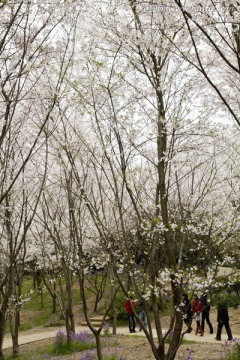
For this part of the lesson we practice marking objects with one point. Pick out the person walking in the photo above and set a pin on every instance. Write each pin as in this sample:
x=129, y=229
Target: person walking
x=143, y=314
x=187, y=311
x=129, y=306
x=197, y=309
x=223, y=319
x=205, y=313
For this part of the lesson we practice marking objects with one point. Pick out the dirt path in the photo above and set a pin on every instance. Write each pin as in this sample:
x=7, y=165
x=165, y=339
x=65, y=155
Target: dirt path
x=135, y=346
x=32, y=336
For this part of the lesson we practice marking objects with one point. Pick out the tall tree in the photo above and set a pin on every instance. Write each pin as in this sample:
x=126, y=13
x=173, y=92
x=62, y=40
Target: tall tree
x=31, y=86
x=140, y=100
x=214, y=30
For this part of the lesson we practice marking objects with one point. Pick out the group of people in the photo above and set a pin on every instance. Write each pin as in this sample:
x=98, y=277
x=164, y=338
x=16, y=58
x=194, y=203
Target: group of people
x=129, y=306
x=199, y=310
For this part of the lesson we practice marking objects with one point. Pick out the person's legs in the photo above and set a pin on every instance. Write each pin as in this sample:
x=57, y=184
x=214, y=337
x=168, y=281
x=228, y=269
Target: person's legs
x=228, y=330
x=199, y=328
x=130, y=322
x=203, y=320
x=219, y=331
x=145, y=318
x=142, y=318
x=133, y=323
x=209, y=322
x=187, y=321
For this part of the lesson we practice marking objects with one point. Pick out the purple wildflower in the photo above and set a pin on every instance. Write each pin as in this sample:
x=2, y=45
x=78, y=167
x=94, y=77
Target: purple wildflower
x=106, y=328
x=86, y=356
x=186, y=356
x=60, y=338
x=47, y=357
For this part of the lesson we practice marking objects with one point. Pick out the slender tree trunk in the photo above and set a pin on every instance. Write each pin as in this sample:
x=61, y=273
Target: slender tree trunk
x=98, y=344
x=162, y=302
x=52, y=293
x=68, y=326
x=176, y=338
x=70, y=308
x=72, y=322
x=41, y=294
x=54, y=302
x=96, y=304
x=2, y=326
x=169, y=243
x=2, y=335
x=114, y=319
x=13, y=321
x=160, y=353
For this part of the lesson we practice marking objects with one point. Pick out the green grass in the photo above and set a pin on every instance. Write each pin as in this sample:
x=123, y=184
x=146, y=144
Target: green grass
x=34, y=313
x=60, y=347
x=20, y=357
x=39, y=353
x=25, y=327
x=72, y=347
x=232, y=350
x=37, y=312
x=55, y=323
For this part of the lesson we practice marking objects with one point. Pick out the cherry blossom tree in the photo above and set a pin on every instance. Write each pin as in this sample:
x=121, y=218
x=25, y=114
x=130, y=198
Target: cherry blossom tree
x=156, y=92
x=33, y=66
x=135, y=174
x=213, y=27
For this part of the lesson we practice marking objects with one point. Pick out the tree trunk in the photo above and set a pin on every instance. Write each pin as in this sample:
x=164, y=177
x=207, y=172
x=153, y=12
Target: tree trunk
x=52, y=293
x=68, y=326
x=1, y=354
x=98, y=344
x=72, y=322
x=160, y=352
x=96, y=304
x=13, y=321
x=69, y=308
x=41, y=294
x=2, y=328
x=175, y=341
x=114, y=319
x=54, y=304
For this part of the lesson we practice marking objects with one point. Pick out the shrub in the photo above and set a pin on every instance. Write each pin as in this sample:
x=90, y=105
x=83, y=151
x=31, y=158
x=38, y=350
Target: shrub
x=232, y=350
x=120, y=307
x=106, y=329
x=78, y=342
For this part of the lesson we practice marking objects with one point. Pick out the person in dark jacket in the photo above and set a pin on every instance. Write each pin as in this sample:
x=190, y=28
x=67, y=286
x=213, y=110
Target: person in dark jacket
x=187, y=311
x=205, y=313
x=223, y=319
x=129, y=306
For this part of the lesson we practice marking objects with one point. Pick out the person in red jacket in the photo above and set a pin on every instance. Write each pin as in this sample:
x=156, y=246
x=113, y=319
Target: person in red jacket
x=197, y=308
x=129, y=305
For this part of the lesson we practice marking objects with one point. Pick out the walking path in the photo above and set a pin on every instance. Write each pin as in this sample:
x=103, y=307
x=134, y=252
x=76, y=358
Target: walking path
x=33, y=335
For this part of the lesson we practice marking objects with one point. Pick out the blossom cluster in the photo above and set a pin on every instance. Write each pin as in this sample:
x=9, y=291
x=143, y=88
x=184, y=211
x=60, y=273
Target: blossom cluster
x=190, y=9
